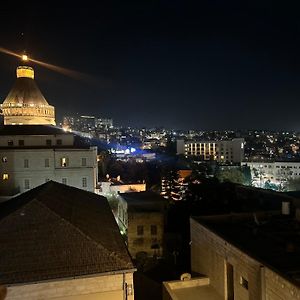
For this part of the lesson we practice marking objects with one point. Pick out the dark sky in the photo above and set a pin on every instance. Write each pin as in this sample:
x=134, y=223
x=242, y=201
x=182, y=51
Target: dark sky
x=179, y=64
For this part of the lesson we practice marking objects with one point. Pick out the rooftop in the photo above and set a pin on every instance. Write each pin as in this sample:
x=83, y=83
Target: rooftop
x=31, y=130
x=193, y=289
x=144, y=201
x=272, y=239
x=55, y=231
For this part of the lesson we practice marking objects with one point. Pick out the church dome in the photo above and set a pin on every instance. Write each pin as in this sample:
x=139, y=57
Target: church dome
x=25, y=103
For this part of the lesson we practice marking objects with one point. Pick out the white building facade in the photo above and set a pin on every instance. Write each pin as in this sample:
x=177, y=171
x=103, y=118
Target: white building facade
x=221, y=151
x=31, y=159
x=276, y=172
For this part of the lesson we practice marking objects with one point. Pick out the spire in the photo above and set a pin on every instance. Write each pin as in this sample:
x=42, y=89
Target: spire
x=25, y=71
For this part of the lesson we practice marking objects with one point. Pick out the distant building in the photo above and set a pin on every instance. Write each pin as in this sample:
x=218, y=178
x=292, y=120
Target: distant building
x=277, y=172
x=221, y=151
x=25, y=103
x=31, y=155
x=141, y=218
x=113, y=188
x=104, y=123
x=62, y=243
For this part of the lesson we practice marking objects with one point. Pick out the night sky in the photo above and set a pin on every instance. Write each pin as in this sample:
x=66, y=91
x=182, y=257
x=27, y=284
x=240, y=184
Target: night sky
x=179, y=64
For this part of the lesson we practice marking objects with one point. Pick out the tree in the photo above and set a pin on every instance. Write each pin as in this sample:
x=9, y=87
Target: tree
x=231, y=175
x=293, y=184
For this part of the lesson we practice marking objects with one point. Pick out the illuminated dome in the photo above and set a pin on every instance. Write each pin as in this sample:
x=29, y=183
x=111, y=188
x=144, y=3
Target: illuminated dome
x=25, y=103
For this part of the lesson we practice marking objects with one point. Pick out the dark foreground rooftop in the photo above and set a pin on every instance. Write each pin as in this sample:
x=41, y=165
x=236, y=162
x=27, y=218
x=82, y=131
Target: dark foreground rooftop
x=273, y=240
x=144, y=201
x=56, y=231
x=30, y=130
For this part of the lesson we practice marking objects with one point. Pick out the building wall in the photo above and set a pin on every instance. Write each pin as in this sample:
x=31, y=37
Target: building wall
x=110, y=287
x=143, y=243
x=221, y=151
x=278, y=288
x=37, y=140
x=128, y=223
x=29, y=166
x=209, y=255
x=275, y=171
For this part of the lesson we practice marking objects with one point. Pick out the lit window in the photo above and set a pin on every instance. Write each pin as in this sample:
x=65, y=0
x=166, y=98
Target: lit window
x=26, y=163
x=4, y=159
x=140, y=230
x=64, y=161
x=83, y=161
x=5, y=176
x=64, y=180
x=84, y=182
x=47, y=163
x=26, y=184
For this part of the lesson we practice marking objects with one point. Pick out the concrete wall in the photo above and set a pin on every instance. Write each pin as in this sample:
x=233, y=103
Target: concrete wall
x=110, y=287
x=278, y=288
x=209, y=254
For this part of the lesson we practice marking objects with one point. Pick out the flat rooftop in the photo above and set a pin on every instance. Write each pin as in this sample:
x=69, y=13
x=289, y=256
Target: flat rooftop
x=193, y=289
x=144, y=201
x=272, y=239
x=31, y=130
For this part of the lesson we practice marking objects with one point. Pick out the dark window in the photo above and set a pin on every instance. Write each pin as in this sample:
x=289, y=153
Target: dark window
x=26, y=184
x=26, y=163
x=21, y=142
x=153, y=230
x=47, y=163
x=244, y=282
x=59, y=142
x=10, y=142
x=48, y=142
x=140, y=230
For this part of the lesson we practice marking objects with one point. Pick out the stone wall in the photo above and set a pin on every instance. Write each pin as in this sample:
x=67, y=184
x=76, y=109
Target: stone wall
x=210, y=255
x=108, y=287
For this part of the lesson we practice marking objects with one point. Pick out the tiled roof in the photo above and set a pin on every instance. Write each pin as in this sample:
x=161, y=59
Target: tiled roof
x=25, y=90
x=56, y=231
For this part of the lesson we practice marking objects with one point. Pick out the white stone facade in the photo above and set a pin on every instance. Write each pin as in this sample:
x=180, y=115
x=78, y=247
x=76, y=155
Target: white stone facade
x=108, y=287
x=36, y=161
x=221, y=151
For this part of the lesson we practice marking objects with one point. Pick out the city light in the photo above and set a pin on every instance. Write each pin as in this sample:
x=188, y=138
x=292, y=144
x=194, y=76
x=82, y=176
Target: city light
x=24, y=57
